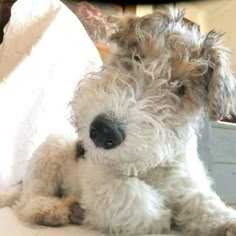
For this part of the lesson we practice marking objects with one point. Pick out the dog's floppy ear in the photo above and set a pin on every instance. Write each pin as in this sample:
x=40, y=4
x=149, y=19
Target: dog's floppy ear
x=222, y=83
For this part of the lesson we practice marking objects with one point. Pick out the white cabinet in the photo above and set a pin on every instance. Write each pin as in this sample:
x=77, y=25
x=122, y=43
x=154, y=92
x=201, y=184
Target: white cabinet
x=217, y=148
x=224, y=176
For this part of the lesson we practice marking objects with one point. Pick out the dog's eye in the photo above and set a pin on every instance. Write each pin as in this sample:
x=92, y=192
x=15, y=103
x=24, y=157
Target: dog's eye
x=137, y=58
x=181, y=90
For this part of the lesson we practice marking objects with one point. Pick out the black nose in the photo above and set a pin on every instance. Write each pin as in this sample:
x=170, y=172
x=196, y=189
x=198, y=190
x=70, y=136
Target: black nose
x=106, y=133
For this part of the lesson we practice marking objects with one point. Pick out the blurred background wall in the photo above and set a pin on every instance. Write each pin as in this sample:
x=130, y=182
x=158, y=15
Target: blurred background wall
x=219, y=15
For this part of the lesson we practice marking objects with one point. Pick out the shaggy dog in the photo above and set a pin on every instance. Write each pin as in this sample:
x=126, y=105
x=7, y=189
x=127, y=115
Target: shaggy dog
x=135, y=168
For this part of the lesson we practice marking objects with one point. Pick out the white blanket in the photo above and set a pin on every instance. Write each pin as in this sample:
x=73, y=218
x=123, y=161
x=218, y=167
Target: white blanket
x=45, y=52
x=11, y=226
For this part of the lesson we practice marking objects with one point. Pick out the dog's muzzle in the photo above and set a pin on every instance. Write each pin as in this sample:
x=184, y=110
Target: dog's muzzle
x=106, y=133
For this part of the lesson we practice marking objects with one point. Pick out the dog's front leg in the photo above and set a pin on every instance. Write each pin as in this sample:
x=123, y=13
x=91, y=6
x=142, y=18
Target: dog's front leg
x=198, y=211
x=46, y=198
x=49, y=211
x=201, y=214
x=125, y=206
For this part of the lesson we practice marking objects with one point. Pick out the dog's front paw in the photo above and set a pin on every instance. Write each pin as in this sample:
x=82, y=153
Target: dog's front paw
x=76, y=215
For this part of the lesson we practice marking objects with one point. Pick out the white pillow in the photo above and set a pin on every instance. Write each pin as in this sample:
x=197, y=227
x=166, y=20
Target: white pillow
x=45, y=52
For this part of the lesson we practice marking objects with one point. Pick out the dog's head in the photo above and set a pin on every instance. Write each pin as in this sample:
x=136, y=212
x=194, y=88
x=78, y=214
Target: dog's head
x=139, y=111
x=165, y=32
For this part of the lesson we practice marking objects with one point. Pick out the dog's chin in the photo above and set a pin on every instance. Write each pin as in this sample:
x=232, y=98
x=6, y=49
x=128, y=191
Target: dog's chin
x=120, y=163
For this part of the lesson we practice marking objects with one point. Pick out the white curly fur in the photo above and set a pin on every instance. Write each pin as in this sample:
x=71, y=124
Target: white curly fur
x=153, y=181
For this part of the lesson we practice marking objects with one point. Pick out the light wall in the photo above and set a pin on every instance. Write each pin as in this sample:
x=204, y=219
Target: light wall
x=219, y=15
